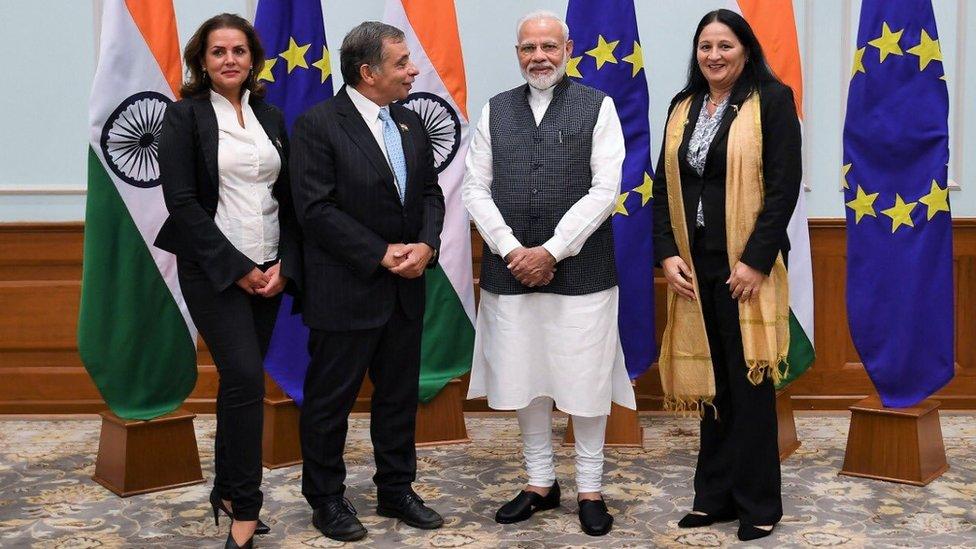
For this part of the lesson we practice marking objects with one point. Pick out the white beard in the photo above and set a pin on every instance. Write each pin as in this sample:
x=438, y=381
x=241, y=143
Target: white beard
x=547, y=81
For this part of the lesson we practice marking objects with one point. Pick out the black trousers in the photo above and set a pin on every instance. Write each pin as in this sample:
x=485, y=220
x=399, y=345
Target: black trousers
x=237, y=329
x=738, y=463
x=340, y=359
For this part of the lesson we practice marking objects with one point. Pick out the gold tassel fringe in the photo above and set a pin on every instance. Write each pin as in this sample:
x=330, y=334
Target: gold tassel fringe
x=762, y=369
x=689, y=406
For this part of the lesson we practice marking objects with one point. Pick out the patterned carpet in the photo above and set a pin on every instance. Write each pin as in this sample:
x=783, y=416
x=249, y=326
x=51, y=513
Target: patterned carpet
x=48, y=500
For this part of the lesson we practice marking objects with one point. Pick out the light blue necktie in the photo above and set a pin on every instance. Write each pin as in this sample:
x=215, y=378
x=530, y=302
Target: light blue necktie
x=394, y=149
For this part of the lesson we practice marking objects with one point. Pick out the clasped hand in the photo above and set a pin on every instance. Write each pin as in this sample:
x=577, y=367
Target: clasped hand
x=265, y=284
x=407, y=260
x=531, y=266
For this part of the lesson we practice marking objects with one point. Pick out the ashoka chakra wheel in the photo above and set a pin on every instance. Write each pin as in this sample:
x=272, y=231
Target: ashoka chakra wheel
x=442, y=123
x=130, y=138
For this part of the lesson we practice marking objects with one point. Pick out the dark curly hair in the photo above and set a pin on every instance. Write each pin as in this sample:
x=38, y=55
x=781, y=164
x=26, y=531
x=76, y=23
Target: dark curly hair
x=197, y=82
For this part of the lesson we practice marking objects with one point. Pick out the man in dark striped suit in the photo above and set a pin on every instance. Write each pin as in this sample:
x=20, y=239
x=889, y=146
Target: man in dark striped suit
x=368, y=201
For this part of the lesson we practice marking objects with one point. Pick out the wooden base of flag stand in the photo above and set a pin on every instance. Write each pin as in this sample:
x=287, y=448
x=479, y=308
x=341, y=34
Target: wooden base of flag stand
x=280, y=442
x=137, y=457
x=895, y=444
x=788, y=443
x=623, y=429
x=441, y=421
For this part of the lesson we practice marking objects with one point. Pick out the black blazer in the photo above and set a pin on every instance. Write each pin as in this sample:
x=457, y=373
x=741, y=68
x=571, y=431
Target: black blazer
x=781, y=176
x=188, y=171
x=350, y=211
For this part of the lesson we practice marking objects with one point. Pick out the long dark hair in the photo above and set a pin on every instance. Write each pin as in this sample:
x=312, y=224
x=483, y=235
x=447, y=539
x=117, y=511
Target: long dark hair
x=756, y=68
x=197, y=83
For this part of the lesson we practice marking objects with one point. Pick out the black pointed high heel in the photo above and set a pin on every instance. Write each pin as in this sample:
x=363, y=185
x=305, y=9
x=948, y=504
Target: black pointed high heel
x=218, y=505
x=231, y=544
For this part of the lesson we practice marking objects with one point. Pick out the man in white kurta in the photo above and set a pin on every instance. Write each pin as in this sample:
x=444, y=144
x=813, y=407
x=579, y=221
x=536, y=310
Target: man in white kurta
x=533, y=347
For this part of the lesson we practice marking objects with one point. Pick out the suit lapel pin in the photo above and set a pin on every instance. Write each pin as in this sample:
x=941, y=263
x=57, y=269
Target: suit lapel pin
x=277, y=142
x=403, y=127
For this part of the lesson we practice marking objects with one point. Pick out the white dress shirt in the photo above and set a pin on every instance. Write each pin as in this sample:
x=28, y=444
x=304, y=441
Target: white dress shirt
x=541, y=344
x=248, y=165
x=371, y=115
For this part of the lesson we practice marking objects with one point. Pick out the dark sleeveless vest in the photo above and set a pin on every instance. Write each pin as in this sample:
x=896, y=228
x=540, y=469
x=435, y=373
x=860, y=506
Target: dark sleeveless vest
x=539, y=172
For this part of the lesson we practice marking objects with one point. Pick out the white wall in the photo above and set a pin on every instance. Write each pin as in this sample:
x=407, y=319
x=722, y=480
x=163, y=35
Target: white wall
x=49, y=61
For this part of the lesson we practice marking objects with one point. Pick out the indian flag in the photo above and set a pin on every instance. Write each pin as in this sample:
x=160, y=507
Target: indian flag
x=439, y=96
x=775, y=27
x=135, y=336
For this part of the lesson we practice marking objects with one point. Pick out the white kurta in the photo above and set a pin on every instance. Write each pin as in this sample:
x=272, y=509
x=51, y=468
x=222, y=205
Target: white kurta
x=542, y=344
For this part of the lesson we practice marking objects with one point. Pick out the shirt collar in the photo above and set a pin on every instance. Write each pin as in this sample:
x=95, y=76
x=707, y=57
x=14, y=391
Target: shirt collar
x=541, y=95
x=370, y=111
x=217, y=99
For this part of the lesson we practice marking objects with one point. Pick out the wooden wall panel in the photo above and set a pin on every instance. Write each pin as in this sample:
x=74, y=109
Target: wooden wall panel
x=40, y=270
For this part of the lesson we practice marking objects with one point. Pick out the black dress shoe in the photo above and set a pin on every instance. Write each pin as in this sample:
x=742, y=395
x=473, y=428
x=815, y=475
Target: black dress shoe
x=337, y=520
x=693, y=520
x=527, y=504
x=218, y=505
x=749, y=532
x=594, y=517
x=409, y=508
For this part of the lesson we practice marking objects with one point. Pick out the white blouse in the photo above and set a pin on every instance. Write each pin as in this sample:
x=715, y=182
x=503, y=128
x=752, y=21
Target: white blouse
x=248, y=165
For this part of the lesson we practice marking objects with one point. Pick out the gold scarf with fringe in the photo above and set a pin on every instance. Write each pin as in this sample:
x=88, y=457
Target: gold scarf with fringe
x=686, y=362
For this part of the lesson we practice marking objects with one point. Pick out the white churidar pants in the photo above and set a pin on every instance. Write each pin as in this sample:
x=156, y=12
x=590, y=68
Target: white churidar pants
x=535, y=421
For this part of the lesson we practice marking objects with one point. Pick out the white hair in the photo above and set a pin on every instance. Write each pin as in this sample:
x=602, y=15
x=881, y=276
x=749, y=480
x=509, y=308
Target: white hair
x=539, y=15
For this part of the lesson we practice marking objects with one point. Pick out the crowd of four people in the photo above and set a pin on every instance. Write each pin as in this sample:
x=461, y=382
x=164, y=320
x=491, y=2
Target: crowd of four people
x=347, y=215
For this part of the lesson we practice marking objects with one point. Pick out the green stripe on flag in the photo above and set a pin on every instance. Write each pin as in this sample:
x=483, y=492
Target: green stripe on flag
x=448, y=339
x=131, y=336
x=800, y=355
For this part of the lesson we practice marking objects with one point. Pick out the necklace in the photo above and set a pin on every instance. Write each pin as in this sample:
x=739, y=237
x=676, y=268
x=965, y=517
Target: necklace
x=713, y=102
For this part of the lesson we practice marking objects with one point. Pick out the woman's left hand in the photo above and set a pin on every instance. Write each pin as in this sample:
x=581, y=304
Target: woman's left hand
x=276, y=282
x=744, y=282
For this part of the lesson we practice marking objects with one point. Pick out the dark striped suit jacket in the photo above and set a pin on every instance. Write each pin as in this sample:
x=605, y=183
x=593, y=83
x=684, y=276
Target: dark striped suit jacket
x=348, y=206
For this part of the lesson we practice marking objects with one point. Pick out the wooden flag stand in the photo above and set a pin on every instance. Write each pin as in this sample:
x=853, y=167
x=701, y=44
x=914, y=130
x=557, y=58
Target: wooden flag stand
x=280, y=442
x=895, y=444
x=788, y=443
x=441, y=421
x=623, y=429
x=137, y=457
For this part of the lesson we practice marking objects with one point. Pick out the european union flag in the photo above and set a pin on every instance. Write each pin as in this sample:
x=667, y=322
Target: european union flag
x=298, y=74
x=607, y=55
x=899, y=230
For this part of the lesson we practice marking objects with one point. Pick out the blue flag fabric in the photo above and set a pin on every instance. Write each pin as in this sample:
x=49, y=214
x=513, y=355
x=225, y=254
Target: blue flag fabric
x=899, y=229
x=298, y=74
x=607, y=55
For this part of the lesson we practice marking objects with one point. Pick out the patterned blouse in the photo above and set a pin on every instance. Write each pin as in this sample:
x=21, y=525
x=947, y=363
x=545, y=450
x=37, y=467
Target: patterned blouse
x=701, y=140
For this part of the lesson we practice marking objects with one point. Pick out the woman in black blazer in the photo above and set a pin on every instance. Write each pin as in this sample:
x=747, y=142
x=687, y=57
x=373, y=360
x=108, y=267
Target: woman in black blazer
x=727, y=184
x=232, y=226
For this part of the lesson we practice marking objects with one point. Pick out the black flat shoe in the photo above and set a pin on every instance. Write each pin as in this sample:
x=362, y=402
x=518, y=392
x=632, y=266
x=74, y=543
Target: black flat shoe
x=692, y=520
x=749, y=532
x=527, y=504
x=594, y=517
x=409, y=508
x=337, y=520
x=218, y=505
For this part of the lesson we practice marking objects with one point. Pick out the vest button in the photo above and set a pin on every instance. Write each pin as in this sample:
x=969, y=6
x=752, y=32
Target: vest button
x=535, y=191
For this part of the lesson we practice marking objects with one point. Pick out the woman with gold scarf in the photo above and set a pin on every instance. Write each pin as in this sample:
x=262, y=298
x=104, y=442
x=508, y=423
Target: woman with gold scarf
x=728, y=181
